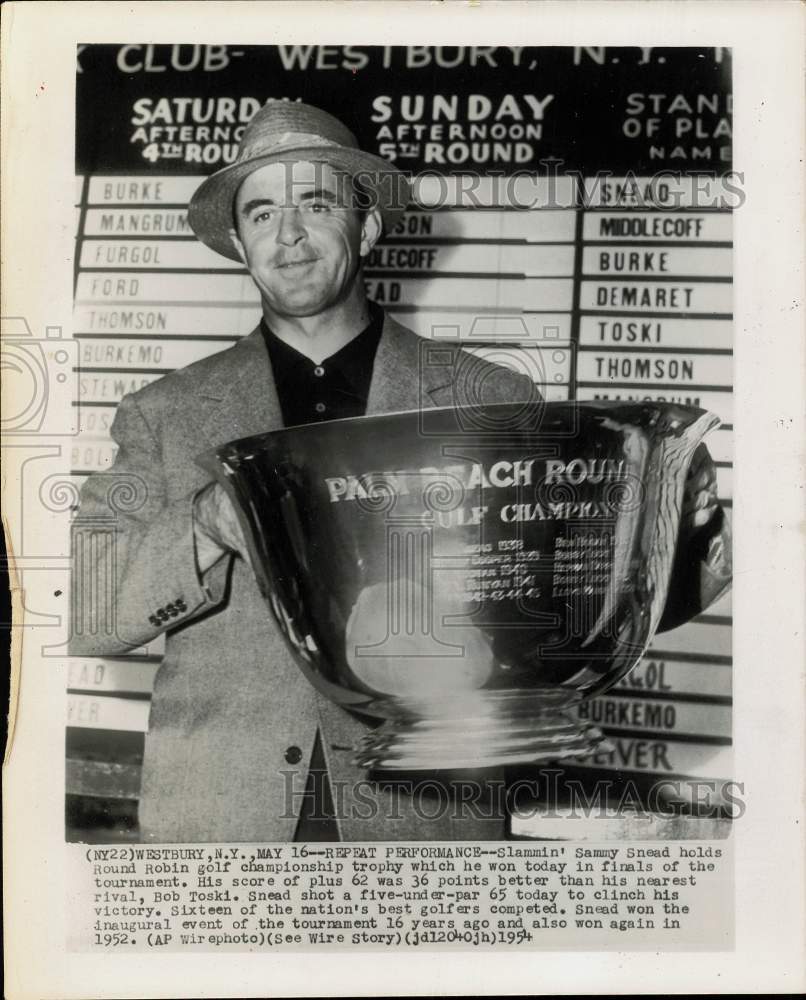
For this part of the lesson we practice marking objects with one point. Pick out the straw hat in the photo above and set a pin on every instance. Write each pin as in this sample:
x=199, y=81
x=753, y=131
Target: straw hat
x=286, y=131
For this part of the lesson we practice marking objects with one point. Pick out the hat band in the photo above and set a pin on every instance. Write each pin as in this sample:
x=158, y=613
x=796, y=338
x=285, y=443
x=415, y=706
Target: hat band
x=286, y=140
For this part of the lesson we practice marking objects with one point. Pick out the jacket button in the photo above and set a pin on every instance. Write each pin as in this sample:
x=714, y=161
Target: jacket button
x=293, y=755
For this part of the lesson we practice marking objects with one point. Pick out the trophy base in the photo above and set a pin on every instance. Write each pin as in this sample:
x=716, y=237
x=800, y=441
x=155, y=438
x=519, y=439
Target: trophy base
x=478, y=730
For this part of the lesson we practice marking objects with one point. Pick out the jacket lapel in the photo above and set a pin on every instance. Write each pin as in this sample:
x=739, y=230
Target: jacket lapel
x=241, y=394
x=409, y=373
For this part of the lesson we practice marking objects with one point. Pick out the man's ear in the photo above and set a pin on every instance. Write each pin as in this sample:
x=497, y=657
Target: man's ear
x=371, y=230
x=237, y=244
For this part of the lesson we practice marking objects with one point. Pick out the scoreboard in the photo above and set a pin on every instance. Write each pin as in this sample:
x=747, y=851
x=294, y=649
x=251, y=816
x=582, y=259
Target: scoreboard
x=571, y=218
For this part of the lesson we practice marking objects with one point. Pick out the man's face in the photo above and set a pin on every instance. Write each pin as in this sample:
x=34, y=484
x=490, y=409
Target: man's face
x=302, y=244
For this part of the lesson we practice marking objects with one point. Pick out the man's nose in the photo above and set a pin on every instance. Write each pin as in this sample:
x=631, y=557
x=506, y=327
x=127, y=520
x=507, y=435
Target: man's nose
x=291, y=229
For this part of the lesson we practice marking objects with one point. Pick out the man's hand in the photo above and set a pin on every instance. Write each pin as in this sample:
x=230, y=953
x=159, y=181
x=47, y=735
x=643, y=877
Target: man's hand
x=700, y=496
x=215, y=527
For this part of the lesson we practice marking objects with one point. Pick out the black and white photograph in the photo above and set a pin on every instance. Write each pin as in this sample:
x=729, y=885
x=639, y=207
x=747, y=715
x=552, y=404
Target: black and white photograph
x=538, y=239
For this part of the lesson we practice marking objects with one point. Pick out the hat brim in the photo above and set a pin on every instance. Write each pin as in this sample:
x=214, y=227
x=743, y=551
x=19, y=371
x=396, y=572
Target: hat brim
x=210, y=209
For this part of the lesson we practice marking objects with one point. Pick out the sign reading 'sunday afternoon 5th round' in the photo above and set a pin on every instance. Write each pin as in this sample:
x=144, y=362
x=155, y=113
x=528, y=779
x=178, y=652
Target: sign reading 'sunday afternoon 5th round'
x=572, y=217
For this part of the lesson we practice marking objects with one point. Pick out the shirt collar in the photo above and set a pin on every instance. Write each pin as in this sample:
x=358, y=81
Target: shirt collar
x=353, y=361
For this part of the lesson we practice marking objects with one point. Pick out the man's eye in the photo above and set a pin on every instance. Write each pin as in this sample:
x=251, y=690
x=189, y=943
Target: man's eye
x=318, y=206
x=264, y=215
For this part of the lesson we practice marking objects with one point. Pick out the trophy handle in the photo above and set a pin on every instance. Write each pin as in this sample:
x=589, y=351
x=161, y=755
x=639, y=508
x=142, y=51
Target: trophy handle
x=680, y=432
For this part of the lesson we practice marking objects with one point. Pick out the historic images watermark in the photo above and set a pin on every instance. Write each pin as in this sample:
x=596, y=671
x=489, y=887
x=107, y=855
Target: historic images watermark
x=553, y=795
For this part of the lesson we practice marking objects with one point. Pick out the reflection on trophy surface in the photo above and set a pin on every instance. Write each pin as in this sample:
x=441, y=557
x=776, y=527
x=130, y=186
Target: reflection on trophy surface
x=468, y=574
x=415, y=664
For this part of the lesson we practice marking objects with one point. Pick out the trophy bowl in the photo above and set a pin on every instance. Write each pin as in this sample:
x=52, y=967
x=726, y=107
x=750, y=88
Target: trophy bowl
x=467, y=574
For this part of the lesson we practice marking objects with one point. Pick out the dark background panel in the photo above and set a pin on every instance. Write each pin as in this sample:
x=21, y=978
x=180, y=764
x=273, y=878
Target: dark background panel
x=614, y=109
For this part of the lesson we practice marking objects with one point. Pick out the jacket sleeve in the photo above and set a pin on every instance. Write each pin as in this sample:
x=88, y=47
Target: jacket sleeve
x=134, y=572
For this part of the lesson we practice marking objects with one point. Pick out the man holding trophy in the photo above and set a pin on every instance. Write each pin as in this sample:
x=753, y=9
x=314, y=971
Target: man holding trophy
x=241, y=746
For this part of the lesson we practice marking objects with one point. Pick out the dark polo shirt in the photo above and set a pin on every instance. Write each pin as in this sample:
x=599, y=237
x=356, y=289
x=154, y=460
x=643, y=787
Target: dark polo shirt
x=310, y=393
x=336, y=387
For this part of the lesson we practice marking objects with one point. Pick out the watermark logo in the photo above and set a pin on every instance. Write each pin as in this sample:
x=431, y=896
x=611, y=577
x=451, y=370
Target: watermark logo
x=39, y=380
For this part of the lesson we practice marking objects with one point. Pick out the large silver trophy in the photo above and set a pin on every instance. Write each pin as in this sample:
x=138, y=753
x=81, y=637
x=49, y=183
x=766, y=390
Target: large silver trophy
x=467, y=574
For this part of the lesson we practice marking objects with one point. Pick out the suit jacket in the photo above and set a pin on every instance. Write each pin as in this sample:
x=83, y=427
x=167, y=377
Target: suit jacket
x=233, y=720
